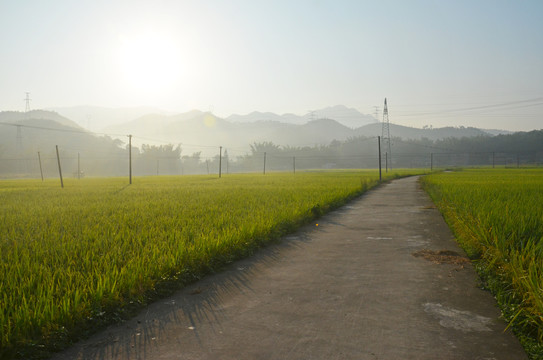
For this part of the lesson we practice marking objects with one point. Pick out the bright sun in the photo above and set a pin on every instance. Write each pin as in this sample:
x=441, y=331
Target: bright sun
x=150, y=62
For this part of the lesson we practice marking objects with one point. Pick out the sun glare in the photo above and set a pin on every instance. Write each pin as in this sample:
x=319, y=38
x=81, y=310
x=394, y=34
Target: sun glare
x=150, y=62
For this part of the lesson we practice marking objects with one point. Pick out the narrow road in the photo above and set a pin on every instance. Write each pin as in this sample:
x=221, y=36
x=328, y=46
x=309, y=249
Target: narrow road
x=380, y=278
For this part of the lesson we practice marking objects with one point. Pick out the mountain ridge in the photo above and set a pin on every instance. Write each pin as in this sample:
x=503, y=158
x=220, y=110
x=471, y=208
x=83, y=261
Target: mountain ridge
x=205, y=131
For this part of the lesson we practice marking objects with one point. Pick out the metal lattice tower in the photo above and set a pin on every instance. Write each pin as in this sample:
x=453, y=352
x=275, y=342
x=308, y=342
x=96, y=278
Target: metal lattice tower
x=27, y=102
x=385, y=136
x=376, y=113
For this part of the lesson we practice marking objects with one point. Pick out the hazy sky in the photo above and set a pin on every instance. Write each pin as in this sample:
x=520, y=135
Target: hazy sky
x=462, y=62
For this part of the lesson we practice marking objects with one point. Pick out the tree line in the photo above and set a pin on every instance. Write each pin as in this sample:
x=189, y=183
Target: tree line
x=103, y=156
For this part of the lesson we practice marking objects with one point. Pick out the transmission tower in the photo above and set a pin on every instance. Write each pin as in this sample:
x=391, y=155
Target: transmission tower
x=27, y=102
x=386, y=135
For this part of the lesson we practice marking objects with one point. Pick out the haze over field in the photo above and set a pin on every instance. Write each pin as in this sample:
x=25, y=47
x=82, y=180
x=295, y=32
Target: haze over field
x=439, y=63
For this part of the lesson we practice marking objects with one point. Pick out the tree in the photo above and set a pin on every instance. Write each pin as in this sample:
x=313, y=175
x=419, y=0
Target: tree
x=162, y=159
x=192, y=163
x=266, y=146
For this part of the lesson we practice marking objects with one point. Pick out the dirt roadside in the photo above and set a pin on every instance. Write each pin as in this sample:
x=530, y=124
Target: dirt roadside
x=380, y=278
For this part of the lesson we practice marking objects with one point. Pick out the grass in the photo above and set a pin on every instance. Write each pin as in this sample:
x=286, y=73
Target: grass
x=76, y=258
x=497, y=216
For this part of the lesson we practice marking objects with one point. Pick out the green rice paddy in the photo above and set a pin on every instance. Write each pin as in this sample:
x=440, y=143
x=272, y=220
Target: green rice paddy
x=76, y=257
x=497, y=216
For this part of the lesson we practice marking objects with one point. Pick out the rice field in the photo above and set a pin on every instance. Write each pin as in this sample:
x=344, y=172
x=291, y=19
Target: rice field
x=497, y=216
x=78, y=257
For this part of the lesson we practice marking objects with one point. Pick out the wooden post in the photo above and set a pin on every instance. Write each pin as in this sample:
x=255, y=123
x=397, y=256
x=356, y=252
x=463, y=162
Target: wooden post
x=220, y=161
x=379, y=146
x=130, y=158
x=264, y=163
x=41, y=170
x=59, y=168
x=493, y=159
x=294, y=164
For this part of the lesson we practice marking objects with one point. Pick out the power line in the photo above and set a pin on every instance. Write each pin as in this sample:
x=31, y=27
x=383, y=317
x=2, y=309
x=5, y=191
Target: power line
x=520, y=104
x=58, y=129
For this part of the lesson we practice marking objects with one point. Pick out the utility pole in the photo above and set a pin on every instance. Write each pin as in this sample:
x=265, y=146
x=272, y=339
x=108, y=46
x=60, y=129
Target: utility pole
x=59, y=168
x=379, y=147
x=220, y=161
x=264, y=163
x=41, y=170
x=130, y=158
x=493, y=159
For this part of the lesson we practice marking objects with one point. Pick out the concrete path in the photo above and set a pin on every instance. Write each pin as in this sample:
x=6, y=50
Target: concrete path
x=378, y=279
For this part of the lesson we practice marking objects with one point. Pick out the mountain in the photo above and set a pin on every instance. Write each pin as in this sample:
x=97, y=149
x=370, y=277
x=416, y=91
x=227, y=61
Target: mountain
x=16, y=116
x=348, y=117
x=199, y=128
x=409, y=133
x=257, y=116
x=497, y=132
x=28, y=147
x=202, y=131
x=96, y=118
x=24, y=134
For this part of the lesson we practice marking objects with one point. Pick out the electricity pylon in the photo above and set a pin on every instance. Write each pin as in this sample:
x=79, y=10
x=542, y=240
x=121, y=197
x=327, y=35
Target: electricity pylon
x=385, y=136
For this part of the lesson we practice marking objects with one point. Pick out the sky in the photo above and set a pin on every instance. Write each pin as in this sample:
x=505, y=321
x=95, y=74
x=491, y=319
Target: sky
x=439, y=63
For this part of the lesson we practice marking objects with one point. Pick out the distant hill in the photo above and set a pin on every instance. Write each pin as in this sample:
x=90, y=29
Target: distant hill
x=409, y=133
x=257, y=116
x=200, y=131
x=24, y=135
x=198, y=128
x=41, y=130
x=16, y=116
x=348, y=117
x=96, y=118
x=498, y=132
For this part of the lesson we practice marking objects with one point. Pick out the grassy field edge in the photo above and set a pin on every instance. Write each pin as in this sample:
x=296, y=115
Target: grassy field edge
x=509, y=275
